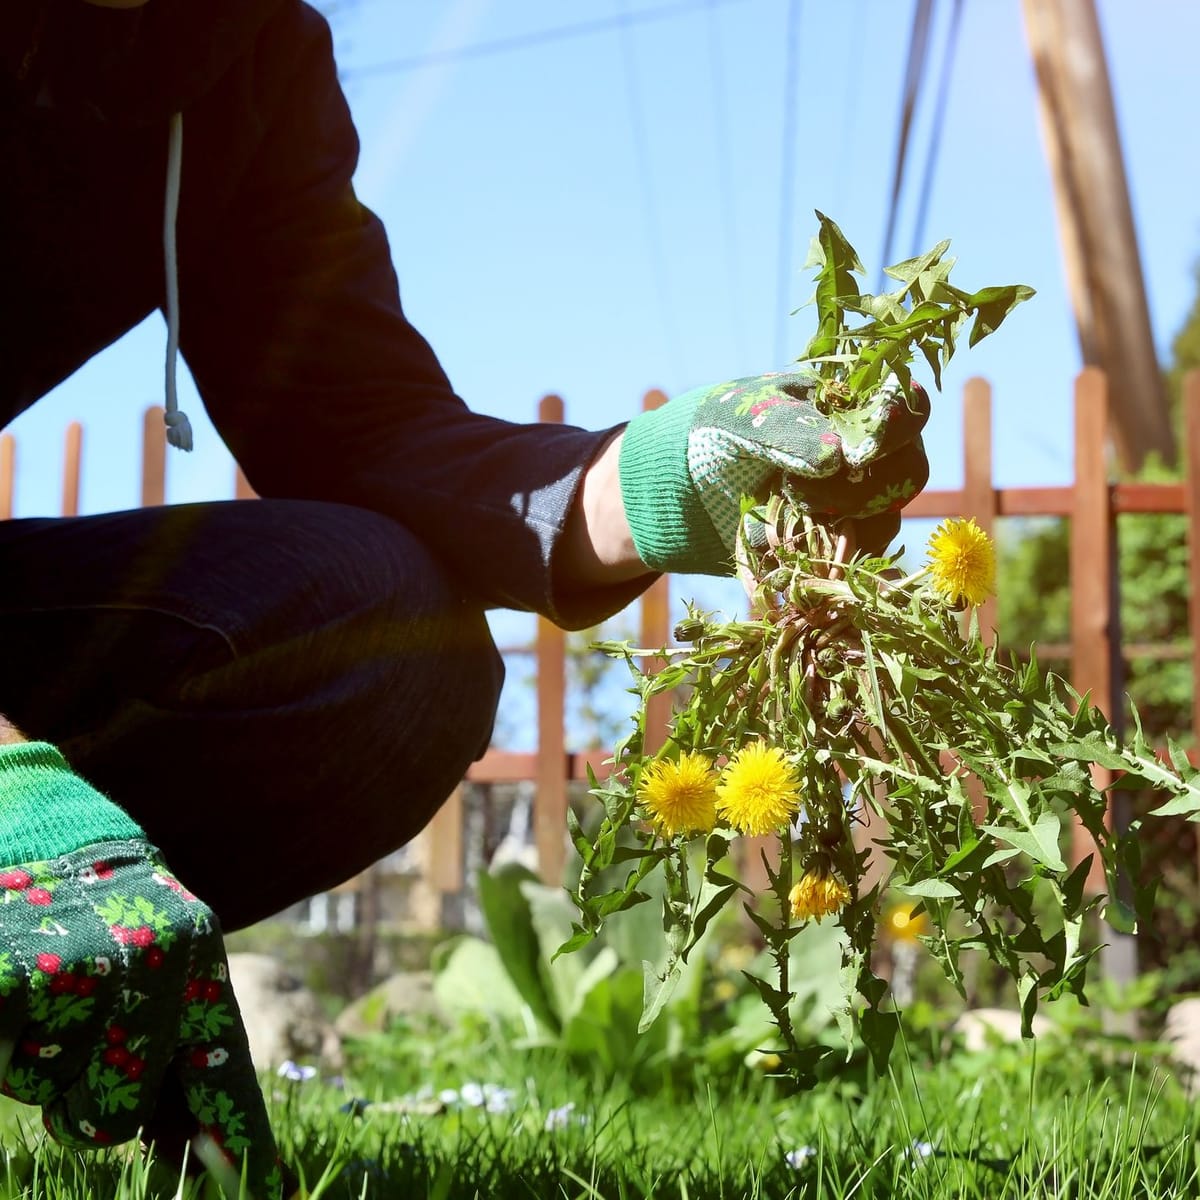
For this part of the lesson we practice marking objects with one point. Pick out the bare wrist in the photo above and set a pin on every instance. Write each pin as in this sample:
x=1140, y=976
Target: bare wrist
x=599, y=546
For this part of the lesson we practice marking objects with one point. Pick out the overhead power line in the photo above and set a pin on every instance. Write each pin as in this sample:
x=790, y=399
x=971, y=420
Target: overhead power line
x=787, y=187
x=918, y=48
x=539, y=37
x=939, y=121
x=644, y=163
x=725, y=177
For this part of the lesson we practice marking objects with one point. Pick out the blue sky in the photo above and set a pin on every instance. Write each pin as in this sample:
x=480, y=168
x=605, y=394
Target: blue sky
x=600, y=213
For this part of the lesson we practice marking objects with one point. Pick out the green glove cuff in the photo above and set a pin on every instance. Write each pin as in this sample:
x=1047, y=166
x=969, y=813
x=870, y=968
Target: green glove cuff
x=46, y=810
x=670, y=526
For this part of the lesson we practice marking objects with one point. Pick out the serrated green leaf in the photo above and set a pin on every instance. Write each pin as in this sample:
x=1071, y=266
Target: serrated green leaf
x=658, y=984
x=879, y=1031
x=1039, y=842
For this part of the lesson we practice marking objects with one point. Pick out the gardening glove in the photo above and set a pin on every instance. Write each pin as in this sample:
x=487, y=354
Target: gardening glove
x=686, y=466
x=113, y=976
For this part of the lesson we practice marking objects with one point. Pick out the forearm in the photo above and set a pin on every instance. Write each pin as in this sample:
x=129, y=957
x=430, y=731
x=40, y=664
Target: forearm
x=597, y=546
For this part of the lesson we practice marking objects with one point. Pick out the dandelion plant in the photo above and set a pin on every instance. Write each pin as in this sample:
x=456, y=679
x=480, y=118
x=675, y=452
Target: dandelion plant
x=859, y=718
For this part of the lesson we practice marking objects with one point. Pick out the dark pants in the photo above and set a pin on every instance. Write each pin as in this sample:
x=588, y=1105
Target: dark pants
x=279, y=692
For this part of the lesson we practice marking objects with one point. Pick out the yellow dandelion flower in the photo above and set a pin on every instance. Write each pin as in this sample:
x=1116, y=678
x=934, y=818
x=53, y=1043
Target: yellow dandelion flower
x=817, y=895
x=680, y=795
x=758, y=792
x=962, y=561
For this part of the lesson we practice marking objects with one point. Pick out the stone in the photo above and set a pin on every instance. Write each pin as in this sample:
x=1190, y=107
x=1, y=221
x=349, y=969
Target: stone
x=283, y=1019
x=1182, y=1031
x=980, y=1028
x=409, y=993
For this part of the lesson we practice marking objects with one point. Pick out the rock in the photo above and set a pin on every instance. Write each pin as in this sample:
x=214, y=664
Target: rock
x=406, y=994
x=1182, y=1030
x=981, y=1027
x=283, y=1019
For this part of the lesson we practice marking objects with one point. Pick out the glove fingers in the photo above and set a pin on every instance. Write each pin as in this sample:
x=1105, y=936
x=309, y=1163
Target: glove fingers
x=892, y=421
x=875, y=534
x=886, y=485
x=57, y=970
x=115, y=1095
x=775, y=424
x=215, y=1071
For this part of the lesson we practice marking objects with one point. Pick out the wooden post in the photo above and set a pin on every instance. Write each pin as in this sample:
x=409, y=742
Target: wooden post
x=445, y=833
x=979, y=502
x=1095, y=669
x=1096, y=639
x=71, y=469
x=1191, y=413
x=154, y=459
x=656, y=631
x=241, y=485
x=979, y=489
x=8, y=474
x=550, y=808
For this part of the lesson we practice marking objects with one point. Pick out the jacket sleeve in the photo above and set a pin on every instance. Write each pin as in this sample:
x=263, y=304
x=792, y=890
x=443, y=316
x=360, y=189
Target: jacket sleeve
x=293, y=329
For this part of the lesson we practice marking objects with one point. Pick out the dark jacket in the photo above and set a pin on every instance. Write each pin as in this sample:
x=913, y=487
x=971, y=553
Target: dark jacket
x=289, y=307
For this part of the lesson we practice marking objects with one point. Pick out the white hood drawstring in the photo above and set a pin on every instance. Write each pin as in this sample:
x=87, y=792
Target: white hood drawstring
x=179, y=428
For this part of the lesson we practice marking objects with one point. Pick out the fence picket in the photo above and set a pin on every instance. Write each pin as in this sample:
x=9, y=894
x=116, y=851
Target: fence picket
x=8, y=472
x=1191, y=412
x=72, y=455
x=154, y=459
x=1095, y=646
x=656, y=629
x=550, y=807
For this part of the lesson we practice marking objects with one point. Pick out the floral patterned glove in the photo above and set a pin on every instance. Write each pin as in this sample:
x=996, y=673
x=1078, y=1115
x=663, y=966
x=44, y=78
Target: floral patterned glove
x=686, y=466
x=112, y=976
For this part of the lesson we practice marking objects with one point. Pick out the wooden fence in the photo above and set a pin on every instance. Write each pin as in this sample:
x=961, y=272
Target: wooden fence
x=1092, y=503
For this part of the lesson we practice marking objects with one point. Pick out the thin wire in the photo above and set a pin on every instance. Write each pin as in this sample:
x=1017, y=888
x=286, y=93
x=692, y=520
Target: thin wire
x=643, y=164
x=918, y=47
x=787, y=188
x=725, y=180
x=939, y=121
x=537, y=38
x=856, y=47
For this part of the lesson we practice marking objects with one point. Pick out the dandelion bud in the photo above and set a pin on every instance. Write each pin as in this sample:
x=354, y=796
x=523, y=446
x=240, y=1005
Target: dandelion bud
x=690, y=629
x=817, y=895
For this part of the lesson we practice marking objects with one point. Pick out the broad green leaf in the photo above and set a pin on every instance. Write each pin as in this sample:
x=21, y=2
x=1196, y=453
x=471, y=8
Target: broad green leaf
x=930, y=888
x=1040, y=842
x=509, y=920
x=1120, y=916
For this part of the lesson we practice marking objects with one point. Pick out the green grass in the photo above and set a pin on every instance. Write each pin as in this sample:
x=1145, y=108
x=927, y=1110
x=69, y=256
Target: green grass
x=1009, y=1123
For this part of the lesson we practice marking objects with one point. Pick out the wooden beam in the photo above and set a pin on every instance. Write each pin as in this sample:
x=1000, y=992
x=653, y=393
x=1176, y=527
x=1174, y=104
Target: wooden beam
x=1050, y=501
x=1095, y=218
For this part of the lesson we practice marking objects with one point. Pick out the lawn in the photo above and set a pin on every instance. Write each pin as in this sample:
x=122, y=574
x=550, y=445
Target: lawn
x=467, y=1113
